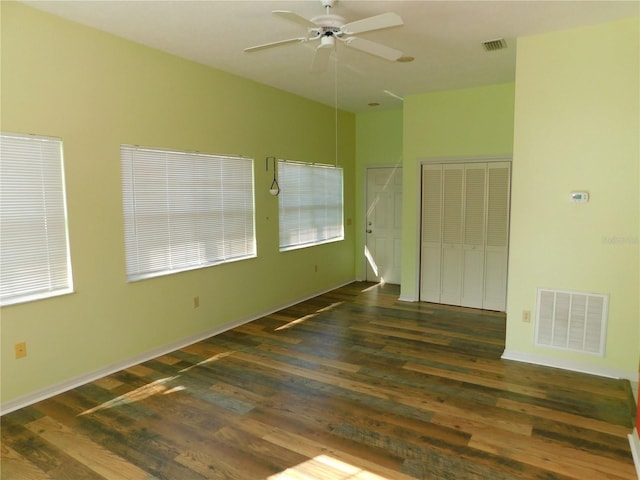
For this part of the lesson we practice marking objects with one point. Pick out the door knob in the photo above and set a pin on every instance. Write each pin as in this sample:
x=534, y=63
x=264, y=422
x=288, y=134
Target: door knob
x=369, y=231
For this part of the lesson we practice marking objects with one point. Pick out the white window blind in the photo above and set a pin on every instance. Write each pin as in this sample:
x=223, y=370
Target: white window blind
x=185, y=210
x=311, y=204
x=34, y=242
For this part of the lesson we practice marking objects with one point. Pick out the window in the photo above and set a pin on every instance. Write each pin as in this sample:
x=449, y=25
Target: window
x=310, y=204
x=185, y=210
x=34, y=241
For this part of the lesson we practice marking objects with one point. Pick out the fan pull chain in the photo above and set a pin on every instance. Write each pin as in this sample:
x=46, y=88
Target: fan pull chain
x=336, y=101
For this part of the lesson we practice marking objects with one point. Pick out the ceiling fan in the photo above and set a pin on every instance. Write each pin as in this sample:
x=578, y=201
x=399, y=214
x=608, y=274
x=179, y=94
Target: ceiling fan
x=328, y=27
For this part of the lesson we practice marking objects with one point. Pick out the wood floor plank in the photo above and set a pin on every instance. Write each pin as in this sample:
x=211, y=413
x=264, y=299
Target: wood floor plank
x=151, y=442
x=312, y=375
x=571, y=462
x=85, y=451
x=414, y=326
x=14, y=466
x=569, y=418
x=477, y=378
x=351, y=384
x=39, y=452
x=402, y=335
x=316, y=359
x=312, y=449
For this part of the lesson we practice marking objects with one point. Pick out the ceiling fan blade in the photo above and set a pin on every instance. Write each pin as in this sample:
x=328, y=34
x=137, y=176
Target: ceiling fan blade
x=294, y=17
x=373, y=48
x=377, y=22
x=275, y=44
x=321, y=58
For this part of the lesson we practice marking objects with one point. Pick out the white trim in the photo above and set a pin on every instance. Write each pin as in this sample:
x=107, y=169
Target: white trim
x=417, y=265
x=572, y=365
x=634, y=443
x=473, y=159
x=403, y=298
x=61, y=387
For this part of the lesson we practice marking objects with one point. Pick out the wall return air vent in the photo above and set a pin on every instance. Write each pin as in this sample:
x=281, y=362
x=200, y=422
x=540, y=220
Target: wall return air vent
x=572, y=321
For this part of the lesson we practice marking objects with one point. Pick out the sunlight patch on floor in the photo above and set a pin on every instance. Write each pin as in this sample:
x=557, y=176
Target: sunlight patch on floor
x=215, y=358
x=159, y=387
x=297, y=321
x=324, y=467
x=137, y=395
x=372, y=287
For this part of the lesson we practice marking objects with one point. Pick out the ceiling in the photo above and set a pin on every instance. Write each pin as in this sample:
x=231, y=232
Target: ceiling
x=444, y=37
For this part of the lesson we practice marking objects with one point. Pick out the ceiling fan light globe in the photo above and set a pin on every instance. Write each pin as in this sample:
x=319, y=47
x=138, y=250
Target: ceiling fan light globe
x=327, y=42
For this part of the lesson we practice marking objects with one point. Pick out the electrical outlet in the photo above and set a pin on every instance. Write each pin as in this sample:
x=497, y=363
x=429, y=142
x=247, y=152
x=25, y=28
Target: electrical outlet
x=196, y=302
x=526, y=316
x=21, y=349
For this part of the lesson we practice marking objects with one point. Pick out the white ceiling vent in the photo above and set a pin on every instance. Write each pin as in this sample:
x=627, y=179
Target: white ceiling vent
x=493, y=45
x=572, y=321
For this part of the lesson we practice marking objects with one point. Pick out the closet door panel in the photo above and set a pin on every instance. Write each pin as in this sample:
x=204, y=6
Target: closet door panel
x=498, y=199
x=472, y=279
x=452, y=219
x=495, y=281
x=431, y=274
x=431, y=250
x=473, y=234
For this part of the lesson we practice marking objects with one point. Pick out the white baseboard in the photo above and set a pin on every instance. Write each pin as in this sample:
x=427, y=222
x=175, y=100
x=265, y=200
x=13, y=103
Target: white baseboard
x=572, y=365
x=634, y=442
x=407, y=299
x=61, y=387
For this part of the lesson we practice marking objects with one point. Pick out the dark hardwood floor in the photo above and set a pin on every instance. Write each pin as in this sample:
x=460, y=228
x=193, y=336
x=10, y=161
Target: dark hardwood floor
x=352, y=384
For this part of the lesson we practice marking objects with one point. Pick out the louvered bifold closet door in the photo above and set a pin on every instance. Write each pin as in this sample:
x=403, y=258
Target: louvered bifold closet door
x=497, y=238
x=465, y=234
x=431, y=233
x=475, y=209
x=452, y=221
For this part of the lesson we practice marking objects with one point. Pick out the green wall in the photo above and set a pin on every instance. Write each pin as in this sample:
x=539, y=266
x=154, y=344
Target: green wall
x=96, y=92
x=378, y=143
x=474, y=122
x=577, y=127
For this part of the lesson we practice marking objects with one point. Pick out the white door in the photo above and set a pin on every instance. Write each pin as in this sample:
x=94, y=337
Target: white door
x=383, y=224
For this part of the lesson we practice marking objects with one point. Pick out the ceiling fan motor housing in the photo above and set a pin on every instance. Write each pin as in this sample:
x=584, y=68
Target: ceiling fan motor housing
x=328, y=21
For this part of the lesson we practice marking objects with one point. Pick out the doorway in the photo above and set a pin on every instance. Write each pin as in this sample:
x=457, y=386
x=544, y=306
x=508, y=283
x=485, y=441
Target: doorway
x=383, y=224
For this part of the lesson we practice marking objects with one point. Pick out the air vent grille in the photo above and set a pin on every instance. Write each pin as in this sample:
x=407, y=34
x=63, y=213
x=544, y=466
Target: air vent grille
x=493, y=45
x=572, y=321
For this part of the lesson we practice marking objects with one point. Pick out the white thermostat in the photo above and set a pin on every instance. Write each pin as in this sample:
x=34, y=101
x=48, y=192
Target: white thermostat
x=579, y=197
